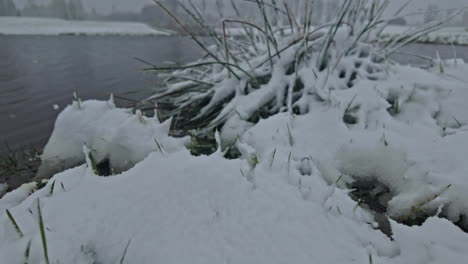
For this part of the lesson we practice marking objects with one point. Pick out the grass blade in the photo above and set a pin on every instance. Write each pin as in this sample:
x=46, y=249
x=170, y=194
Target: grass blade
x=122, y=259
x=52, y=189
x=14, y=223
x=43, y=234
x=27, y=252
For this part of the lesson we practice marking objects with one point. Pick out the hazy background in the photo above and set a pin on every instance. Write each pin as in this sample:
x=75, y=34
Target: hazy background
x=146, y=10
x=107, y=6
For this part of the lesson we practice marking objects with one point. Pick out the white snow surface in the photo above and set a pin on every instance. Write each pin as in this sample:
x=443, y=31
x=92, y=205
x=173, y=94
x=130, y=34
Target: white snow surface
x=285, y=201
x=418, y=153
x=202, y=210
x=52, y=26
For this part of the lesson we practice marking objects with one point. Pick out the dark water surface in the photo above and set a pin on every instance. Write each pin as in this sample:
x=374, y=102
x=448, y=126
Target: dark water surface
x=39, y=72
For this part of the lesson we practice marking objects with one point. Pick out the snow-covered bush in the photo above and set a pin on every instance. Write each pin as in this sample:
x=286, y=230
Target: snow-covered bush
x=269, y=68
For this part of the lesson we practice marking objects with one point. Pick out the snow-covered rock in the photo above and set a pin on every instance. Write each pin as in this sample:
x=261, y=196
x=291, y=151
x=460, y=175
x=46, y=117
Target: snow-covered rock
x=113, y=134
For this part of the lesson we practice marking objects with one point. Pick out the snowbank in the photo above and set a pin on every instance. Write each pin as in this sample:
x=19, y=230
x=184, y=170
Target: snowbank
x=415, y=147
x=203, y=210
x=285, y=201
x=50, y=26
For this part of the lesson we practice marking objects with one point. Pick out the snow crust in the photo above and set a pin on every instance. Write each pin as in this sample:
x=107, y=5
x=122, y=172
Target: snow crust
x=52, y=26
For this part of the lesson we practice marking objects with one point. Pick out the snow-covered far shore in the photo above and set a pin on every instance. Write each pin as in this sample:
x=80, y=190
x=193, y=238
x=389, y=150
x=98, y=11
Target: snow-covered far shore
x=52, y=27
x=444, y=36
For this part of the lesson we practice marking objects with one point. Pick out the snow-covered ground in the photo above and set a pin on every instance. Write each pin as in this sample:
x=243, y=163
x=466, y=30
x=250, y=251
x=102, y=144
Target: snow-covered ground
x=285, y=201
x=50, y=26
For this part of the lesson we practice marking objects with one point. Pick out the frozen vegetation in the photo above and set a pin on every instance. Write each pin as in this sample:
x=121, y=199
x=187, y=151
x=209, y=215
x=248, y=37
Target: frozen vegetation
x=327, y=152
x=54, y=26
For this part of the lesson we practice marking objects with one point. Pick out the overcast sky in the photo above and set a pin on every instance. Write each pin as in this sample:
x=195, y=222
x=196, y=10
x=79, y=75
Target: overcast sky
x=105, y=6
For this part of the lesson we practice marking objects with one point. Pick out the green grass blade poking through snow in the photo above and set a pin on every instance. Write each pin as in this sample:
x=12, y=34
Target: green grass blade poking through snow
x=42, y=230
x=14, y=223
x=122, y=259
x=27, y=252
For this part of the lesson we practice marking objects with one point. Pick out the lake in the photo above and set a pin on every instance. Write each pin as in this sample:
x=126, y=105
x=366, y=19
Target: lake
x=37, y=73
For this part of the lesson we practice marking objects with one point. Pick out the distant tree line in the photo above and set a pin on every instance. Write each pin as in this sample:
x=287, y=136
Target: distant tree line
x=8, y=8
x=214, y=11
x=65, y=9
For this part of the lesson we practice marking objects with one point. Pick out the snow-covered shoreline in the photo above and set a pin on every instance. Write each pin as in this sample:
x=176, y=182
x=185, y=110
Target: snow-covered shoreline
x=54, y=27
x=443, y=36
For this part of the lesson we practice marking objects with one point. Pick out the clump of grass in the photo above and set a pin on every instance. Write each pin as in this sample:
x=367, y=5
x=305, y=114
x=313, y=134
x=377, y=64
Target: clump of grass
x=417, y=213
x=261, y=72
x=18, y=166
x=14, y=223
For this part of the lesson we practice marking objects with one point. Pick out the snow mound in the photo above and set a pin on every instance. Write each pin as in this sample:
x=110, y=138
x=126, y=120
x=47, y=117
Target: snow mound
x=114, y=135
x=52, y=26
x=409, y=133
x=205, y=208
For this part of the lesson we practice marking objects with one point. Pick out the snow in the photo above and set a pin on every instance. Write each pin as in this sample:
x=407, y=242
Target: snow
x=52, y=26
x=284, y=201
x=417, y=153
x=202, y=210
